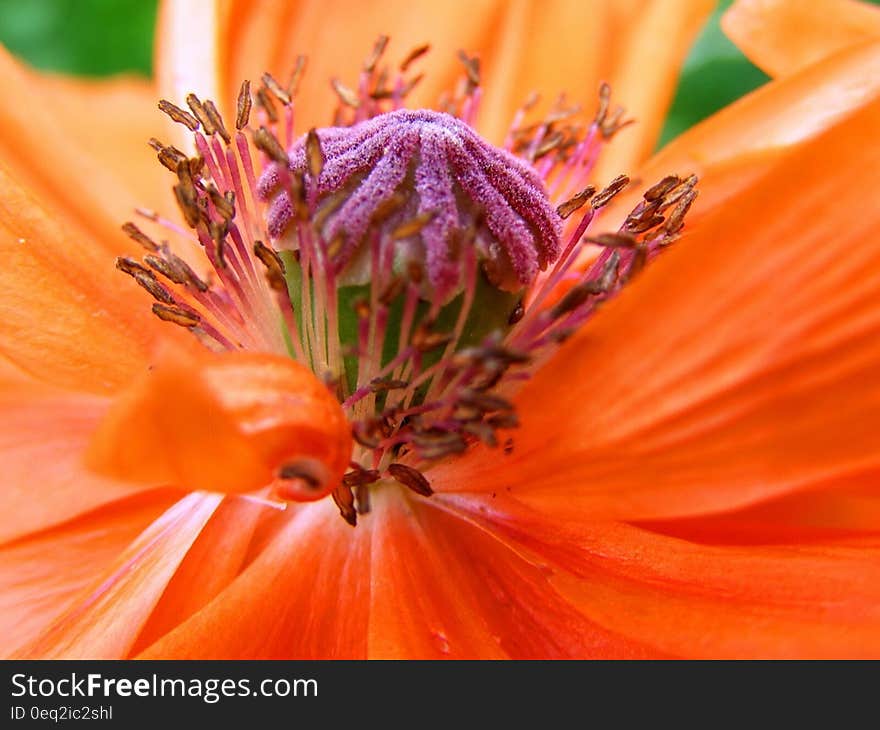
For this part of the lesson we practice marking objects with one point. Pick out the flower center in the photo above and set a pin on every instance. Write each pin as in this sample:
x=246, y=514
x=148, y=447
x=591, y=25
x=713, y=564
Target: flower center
x=421, y=272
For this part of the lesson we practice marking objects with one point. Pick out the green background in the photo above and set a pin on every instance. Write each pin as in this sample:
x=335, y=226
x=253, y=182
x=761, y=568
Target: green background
x=97, y=37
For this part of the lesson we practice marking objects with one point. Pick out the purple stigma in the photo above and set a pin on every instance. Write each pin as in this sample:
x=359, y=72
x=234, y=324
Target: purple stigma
x=429, y=181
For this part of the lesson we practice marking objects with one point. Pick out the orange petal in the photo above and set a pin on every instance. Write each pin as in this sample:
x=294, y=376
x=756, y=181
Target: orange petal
x=782, y=37
x=111, y=120
x=648, y=53
x=214, y=560
x=51, y=162
x=42, y=574
x=225, y=422
x=444, y=588
x=743, y=365
x=698, y=601
x=43, y=435
x=106, y=619
x=739, y=144
x=211, y=47
x=550, y=47
x=304, y=596
x=848, y=507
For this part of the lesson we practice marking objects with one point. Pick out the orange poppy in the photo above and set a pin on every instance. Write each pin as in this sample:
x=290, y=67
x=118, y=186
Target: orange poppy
x=694, y=470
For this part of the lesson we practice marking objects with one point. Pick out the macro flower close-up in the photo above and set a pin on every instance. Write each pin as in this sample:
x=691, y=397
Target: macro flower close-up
x=392, y=330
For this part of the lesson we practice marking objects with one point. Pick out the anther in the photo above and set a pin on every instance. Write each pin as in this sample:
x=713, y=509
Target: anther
x=411, y=478
x=243, y=106
x=179, y=115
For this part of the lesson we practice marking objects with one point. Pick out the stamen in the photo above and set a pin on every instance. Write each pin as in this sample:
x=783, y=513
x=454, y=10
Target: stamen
x=420, y=272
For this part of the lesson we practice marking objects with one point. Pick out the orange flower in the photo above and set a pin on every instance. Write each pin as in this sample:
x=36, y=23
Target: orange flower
x=694, y=474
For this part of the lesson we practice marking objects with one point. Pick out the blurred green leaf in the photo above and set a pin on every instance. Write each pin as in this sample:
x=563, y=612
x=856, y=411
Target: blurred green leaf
x=87, y=37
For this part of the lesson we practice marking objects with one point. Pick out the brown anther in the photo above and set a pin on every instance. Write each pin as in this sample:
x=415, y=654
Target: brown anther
x=410, y=85
x=182, y=268
x=299, y=68
x=658, y=190
x=362, y=498
x=391, y=292
x=486, y=402
x=223, y=202
x=387, y=207
x=188, y=204
x=129, y=266
x=411, y=478
x=378, y=49
x=643, y=222
x=335, y=246
x=218, y=231
x=314, y=154
x=359, y=475
x=267, y=143
x=216, y=120
x=344, y=499
x=482, y=431
x=171, y=158
x=471, y=68
x=179, y=115
x=265, y=101
x=507, y=419
x=192, y=101
x=184, y=175
x=517, y=314
x=613, y=188
x=576, y=202
x=437, y=448
x=414, y=54
x=550, y=143
x=269, y=257
x=176, y=315
x=675, y=221
x=413, y=225
x=366, y=433
x=575, y=297
x=346, y=95
x=147, y=280
x=640, y=258
x=243, y=106
x=382, y=385
x=167, y=270
x=135, y=233
x=676, y=194
x=613, y=240
x=424, y=340
x=609, y=273
x=276, y=89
